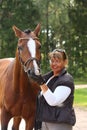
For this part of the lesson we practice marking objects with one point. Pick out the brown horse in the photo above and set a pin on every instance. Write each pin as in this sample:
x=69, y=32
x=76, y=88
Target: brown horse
x=18, y=91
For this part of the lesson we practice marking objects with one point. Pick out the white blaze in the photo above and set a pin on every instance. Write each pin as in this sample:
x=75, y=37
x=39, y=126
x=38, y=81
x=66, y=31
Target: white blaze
x=32, y=49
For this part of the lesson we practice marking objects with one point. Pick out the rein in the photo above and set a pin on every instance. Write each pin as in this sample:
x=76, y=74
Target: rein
x=31, y=59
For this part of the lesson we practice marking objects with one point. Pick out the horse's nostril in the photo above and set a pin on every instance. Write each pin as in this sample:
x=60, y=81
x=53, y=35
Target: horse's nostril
x=39, y=69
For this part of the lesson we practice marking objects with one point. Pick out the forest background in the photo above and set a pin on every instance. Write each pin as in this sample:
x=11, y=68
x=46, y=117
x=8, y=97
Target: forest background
x=63, y=25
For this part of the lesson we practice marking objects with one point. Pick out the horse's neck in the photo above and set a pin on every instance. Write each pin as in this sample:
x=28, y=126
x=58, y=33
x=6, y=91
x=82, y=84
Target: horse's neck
x=22, y=83
x=20, y=77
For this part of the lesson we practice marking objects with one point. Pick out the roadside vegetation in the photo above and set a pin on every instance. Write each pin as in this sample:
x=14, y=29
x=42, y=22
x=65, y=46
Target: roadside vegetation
x=80, y=97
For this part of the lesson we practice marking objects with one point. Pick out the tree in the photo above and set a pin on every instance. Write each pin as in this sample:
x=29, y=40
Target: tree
x=54, y=15
x=78, y=36
x=21, y=13
x=63, y=25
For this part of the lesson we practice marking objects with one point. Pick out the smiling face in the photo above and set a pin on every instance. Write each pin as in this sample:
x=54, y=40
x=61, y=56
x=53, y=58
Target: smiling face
x=57, y=62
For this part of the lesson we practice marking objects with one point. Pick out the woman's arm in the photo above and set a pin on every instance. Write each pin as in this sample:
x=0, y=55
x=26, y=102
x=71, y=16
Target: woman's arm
x=57, y=97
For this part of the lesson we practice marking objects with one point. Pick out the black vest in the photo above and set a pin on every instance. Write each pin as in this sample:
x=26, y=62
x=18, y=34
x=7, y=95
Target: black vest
x=64, y=114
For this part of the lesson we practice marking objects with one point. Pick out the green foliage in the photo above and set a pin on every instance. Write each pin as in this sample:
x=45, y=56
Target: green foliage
x=21, y=13
x=81, y=80
x=63, y=25
x=81, y=97
x=78, y=38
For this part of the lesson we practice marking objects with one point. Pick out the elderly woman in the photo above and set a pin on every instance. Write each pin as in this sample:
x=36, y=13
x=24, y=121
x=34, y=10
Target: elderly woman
x=55, y=101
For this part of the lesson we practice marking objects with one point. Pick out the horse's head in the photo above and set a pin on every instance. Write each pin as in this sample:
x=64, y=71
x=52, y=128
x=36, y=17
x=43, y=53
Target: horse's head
x=29, y=50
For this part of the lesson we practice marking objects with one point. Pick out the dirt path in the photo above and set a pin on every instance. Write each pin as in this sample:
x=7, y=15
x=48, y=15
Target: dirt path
x=81, y=119
x=81, y=86
x=81, y=115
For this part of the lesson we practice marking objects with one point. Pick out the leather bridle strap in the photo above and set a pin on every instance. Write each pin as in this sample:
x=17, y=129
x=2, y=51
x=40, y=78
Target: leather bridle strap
x=30, y=59
x=28, y=62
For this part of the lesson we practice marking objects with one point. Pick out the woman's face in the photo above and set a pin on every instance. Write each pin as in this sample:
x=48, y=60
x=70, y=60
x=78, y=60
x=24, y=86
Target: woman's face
x=57, y=65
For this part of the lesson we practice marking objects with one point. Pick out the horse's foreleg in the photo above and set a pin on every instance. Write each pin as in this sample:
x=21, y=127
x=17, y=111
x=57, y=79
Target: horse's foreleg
x=5, y=117
x=30, y=123
x=16, y=123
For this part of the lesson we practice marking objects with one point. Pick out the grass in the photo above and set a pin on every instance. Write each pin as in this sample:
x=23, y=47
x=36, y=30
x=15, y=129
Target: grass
x=80, y=82
x=80, y=97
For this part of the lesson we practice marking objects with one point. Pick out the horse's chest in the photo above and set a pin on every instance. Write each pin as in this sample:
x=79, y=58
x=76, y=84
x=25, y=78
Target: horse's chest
x=24, y=106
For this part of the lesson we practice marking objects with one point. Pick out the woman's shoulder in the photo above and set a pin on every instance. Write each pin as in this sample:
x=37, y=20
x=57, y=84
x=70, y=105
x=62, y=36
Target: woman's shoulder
x=68, y=80
x=65, y=75
x=68, y=76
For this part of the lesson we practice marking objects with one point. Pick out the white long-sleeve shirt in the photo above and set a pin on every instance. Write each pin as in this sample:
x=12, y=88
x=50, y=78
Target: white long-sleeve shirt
x=57, y=97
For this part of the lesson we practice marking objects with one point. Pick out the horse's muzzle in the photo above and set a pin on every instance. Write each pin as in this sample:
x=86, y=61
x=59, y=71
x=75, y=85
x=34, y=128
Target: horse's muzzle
x=31, y=74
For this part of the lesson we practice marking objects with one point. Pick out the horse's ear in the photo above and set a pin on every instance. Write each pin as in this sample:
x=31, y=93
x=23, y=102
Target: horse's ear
x=17, y=31
x=37, y=29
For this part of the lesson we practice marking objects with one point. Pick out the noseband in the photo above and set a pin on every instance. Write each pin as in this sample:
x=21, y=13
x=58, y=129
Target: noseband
x=31, y=59
x=28, y=62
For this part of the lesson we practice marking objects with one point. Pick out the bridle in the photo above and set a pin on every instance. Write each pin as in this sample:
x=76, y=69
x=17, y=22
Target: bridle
x=31, y=59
